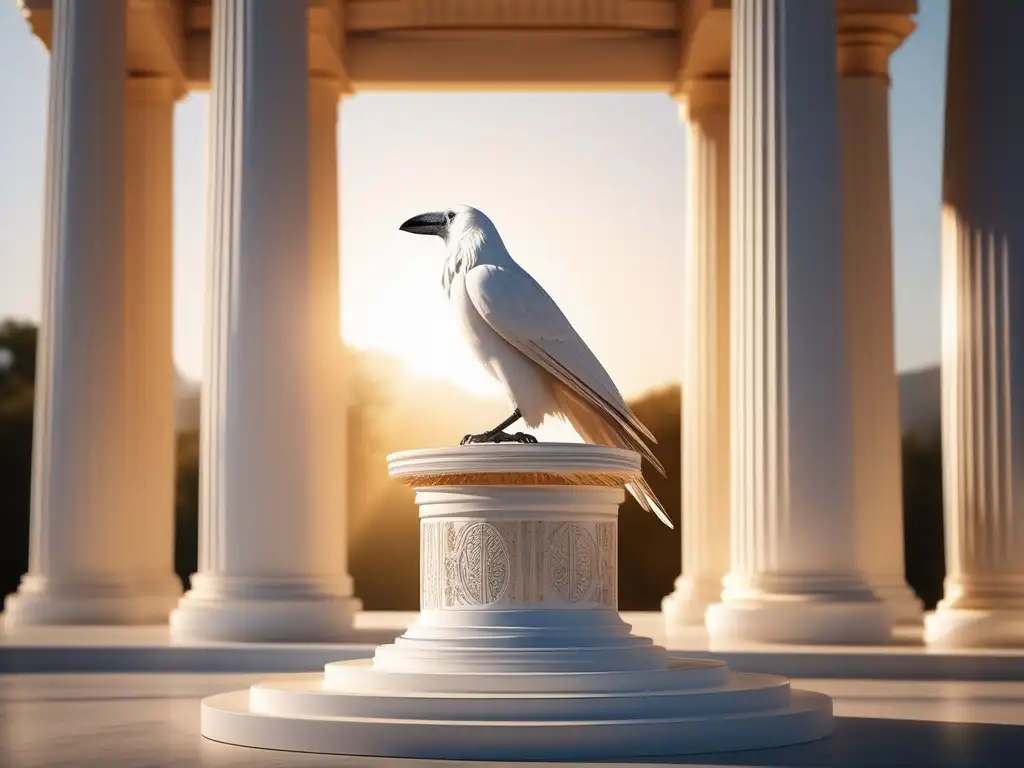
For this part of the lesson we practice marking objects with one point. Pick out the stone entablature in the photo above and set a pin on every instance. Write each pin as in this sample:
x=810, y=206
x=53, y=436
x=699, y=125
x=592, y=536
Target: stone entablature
x=610, y=45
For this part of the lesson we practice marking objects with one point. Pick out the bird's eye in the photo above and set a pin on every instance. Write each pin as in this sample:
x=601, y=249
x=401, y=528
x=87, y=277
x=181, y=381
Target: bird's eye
x=451, y=216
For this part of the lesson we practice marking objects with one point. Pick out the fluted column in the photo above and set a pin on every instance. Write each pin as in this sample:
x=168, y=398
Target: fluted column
x=793, y=575
x=329, y=439
x=983, y=330
x=98, y=553
x=149, y=481
x=262, y=571
x=864, y=50
x=705, y=385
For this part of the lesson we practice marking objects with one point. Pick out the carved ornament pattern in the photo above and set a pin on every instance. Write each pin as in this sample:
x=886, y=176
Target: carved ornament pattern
x=474, y=563
x=483, y=565
x=572, y=567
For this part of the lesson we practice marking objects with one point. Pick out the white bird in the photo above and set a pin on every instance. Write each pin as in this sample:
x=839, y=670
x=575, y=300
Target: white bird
x=525, y=342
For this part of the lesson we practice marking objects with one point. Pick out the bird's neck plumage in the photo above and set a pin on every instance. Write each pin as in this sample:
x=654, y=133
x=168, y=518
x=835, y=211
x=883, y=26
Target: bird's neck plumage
x=475, y=245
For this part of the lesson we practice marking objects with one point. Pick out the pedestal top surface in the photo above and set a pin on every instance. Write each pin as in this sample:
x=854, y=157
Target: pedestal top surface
x=515, y=464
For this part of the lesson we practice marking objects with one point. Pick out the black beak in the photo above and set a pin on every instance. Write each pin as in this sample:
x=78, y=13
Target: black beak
x=426, y=224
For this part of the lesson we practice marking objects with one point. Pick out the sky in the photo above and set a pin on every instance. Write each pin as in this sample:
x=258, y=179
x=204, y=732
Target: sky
x=560, y=174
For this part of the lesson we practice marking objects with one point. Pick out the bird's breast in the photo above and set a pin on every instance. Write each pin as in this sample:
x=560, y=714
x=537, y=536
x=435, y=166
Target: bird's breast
x=481, y=337
x=526, y=384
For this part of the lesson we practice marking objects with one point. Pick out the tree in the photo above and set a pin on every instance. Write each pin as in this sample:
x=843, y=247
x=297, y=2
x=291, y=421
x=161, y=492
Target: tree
x=650, y=553
x=18, y=341
x=923, y=529
x=17, y=382
x=186, y=506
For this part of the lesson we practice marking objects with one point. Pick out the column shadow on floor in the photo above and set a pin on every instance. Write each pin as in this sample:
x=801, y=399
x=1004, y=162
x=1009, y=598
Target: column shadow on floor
x=865, y=742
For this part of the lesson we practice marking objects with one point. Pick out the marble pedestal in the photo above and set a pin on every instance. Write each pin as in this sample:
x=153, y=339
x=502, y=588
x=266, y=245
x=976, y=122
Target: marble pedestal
x=519, y=652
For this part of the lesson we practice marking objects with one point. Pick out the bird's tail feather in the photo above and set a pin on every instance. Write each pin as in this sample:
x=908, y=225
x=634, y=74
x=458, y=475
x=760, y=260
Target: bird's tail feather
x=644, y=495
x=606, y=429
x=624, y=416
x=594, y=428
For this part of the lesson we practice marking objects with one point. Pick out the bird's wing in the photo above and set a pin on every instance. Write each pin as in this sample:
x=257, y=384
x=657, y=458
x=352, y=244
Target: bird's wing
x=522, y=313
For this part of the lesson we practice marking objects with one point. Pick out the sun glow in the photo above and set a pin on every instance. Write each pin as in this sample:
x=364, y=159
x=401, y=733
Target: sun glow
x=410, y=320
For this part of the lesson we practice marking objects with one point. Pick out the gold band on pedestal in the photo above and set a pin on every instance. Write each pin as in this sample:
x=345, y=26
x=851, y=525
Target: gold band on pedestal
x=593, y=479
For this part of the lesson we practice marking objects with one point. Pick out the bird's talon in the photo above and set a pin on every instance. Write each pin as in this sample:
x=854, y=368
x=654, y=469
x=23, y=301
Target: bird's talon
x=499, y=437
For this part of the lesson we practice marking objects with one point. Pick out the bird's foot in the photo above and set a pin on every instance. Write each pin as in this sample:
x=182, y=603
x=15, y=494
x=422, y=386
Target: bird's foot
x=498, y=437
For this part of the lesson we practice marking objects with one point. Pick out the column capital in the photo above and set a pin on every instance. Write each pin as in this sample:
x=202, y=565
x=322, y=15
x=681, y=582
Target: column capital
x=150, y=89
x=699, y=94
x=865, y=41
x=327, y=83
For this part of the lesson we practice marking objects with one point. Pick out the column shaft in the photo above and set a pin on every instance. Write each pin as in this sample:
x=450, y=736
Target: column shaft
x=95, y=556
x=149, y=397
x=793, y=576
x=330, y=391
x=262, y=575
x=983, y=330
x=705, y=385
x=867, y=247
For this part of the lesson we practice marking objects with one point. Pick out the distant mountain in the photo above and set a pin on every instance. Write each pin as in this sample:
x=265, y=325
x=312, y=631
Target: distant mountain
x=921, y=403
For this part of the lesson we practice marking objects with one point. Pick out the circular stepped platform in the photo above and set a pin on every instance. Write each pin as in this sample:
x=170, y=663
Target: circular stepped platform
x=519, y=652
x=685, y=707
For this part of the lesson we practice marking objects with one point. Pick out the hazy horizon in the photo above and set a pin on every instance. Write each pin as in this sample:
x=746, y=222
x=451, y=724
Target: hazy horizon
x=588, y=191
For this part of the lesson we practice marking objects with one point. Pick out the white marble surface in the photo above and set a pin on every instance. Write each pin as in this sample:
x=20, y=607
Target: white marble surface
x=135, y=720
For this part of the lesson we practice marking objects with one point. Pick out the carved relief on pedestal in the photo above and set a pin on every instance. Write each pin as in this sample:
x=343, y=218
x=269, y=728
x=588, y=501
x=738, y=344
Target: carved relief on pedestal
x=607, y=592
x=571, y=555
x=482, y=567
x=471, y=563
x=429, y=551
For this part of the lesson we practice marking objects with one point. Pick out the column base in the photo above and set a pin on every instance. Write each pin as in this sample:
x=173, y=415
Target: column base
x=264, y=610
x=963, y=628
x=904, y=605
x=798, y=609
x=687, y=606
x=125, y=600
x=800, y=623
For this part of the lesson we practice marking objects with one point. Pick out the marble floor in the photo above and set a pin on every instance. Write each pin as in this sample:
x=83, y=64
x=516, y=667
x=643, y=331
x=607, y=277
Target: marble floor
x=152, y=719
